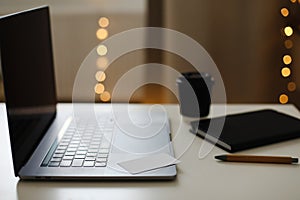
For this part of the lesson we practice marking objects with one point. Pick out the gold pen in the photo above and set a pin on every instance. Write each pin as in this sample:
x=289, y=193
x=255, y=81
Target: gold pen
x=257, y=159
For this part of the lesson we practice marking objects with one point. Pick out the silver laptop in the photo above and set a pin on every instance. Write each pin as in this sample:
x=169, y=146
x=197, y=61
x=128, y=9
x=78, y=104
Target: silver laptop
x=47, y=140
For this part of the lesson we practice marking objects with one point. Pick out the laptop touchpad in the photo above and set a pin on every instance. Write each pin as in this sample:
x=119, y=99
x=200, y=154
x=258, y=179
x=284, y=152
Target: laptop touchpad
x=133, y=140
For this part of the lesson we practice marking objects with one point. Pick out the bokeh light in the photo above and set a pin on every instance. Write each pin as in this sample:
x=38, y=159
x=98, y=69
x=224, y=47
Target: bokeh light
x=100, y=76
x=288, y=44
x=287, y=59
x=99, y=88
x=102, y=50
x=105, y=96
x=285, y=72
x=102, y=62
x=288, y=31
x=284, y=12
x=103, y=22
x=283, y=98
x=102, y=33
x=291, y=86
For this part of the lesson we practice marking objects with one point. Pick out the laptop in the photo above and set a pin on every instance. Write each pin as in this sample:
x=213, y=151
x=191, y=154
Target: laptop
x=49, y=142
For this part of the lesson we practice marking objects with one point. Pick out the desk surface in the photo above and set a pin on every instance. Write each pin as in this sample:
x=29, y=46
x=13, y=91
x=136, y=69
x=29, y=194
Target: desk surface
x=197, y=178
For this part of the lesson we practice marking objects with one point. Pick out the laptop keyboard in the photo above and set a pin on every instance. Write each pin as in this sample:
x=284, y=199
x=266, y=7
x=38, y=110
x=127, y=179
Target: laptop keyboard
x=84, y=144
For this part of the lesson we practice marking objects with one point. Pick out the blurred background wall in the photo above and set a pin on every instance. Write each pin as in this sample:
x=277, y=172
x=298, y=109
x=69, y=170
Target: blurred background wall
x=246, y=39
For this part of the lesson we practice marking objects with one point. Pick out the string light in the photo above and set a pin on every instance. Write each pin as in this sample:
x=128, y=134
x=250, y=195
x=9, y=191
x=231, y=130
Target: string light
x=105, y=96
x=100, y=76
x=102, y=50
x=102, y=33
x=287, y=59
x=103, y=22
x=285, y=72
x=102, y=62
x=291, y=86
x=284, y=12
x=99, y=88
x=283, y=98
x=288, y=31
x=288, y=44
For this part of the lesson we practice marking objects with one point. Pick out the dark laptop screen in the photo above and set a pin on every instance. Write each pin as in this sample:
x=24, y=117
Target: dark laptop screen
x=28, y=74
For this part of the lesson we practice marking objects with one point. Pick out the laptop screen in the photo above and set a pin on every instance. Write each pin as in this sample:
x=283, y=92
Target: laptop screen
x=28, y=75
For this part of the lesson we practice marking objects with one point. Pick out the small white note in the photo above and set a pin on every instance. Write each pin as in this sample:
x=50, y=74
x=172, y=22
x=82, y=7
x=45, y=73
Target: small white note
x=148, y=163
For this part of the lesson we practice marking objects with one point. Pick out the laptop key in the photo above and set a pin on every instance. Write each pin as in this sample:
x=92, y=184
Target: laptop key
x=83, y=148
x=73, y=145
x=84, y=144
x=80, y=156
x=63, y=144
x=65, y=163
x=95, y=143
x=81, y=152
x=88, y=163
x=70, y=153
x=55, y=160
x=102, y=155
x=90, y=158
x=91, y=154
x=77, y=162
x=61, y=151
x=100, y=164
x=62, y=147
x=101, y=160
x=67, y=140
x=71, y=149
x=93, y=150
x=53, y=164
x=58, y=155
x=68, y=157
x=103, y=150
x=75, y=141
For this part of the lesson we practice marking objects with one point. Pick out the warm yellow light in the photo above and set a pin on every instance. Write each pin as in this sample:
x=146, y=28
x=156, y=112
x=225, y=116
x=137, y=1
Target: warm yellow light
x=102, y=62
x=284, y=12
x=103, y=22
x=291, y=86
x=285, y=72
x=288, y=44
x=288, y=31
x=102, y=50
x=100, y=76
x=105, y=96
x=287, y=59
x=283, y=99
x=102, y=33
x=99, y=88
x=293, y=1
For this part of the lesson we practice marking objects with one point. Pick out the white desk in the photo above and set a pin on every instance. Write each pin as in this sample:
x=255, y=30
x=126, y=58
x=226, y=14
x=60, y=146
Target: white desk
x=197, y=179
